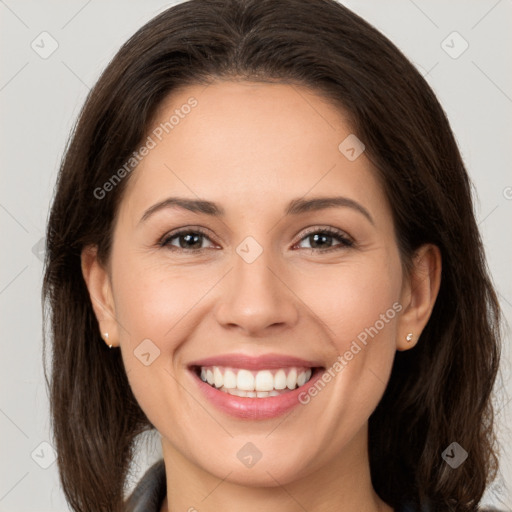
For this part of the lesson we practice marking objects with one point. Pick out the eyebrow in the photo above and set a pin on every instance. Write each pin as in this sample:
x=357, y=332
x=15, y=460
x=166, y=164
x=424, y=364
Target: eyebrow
x=295, y=207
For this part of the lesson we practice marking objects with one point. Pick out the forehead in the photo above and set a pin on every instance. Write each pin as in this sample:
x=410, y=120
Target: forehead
x=250, y=143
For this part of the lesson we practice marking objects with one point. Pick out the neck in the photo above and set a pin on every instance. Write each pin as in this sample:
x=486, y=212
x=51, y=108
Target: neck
x=344, y=483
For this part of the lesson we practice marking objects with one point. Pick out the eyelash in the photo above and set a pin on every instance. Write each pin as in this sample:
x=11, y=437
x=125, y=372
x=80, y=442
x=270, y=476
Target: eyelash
x=346, y=242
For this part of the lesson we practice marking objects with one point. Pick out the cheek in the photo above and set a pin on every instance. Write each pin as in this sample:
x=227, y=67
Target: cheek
x=364, y=310
x=355, y=298
x=151, y=301
x=360, y=312
x=153, y=307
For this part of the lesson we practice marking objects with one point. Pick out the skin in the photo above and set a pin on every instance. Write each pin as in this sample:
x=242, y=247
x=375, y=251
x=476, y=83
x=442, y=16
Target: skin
x=251, y=148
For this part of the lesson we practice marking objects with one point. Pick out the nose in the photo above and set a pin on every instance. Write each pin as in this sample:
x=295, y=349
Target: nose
x=256, y=299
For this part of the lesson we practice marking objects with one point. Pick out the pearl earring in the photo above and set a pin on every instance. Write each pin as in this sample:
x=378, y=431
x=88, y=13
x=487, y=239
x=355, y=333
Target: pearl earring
x=409, y=337
x=105, y=335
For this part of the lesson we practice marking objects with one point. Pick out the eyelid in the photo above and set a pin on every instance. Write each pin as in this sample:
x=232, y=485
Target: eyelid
x=187, y=229
x=344, y=238
x=346, y=241
x=326, y=229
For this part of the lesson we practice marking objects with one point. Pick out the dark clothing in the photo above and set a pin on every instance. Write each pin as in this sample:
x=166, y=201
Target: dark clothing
x=149, y=494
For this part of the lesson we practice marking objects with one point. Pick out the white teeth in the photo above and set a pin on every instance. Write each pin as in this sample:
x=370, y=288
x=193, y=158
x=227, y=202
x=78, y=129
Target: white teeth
x=230, y=379
x=260, y=384
x=245, y=380
x=264, y=381
x=251, y=394
x=291, y=380
x=217, y=377
x=235, y=392
x=280, y=380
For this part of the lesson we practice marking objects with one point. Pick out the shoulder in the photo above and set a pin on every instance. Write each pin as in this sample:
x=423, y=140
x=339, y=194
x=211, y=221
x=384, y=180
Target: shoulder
x=409, y=507
x=149, y=494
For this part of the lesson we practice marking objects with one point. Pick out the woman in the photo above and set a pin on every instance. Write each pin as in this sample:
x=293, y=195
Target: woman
x=223, y=136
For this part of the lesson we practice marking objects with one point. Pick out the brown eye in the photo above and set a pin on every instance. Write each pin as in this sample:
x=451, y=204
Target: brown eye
x=187, y=240
x=321, y=240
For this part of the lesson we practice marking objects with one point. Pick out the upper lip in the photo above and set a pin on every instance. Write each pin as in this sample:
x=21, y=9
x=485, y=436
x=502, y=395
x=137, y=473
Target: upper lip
x=266, y=361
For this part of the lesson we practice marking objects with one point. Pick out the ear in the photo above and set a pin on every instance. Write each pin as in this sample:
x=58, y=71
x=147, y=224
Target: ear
x=99, y=285
x=419, y=294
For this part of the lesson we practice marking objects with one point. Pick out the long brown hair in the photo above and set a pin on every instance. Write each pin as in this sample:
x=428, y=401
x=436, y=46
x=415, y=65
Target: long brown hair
x=439, y=392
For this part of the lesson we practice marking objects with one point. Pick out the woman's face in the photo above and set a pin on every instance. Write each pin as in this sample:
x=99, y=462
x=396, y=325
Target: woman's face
x=261, y=278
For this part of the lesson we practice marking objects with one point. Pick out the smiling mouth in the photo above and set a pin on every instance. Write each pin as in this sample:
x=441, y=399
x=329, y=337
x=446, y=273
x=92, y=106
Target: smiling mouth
x=264, y=383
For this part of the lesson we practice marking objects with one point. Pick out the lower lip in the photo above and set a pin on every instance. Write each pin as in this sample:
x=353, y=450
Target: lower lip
x=255, y=408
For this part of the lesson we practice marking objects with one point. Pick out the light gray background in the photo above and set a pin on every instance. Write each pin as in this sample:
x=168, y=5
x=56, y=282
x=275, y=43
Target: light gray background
x=40, y=99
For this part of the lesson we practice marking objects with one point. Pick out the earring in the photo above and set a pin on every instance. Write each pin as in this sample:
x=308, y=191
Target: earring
x=105, y=336
x=409, y=337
